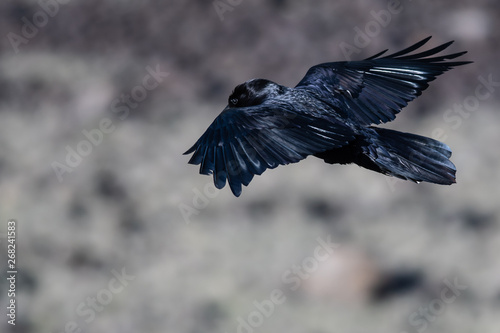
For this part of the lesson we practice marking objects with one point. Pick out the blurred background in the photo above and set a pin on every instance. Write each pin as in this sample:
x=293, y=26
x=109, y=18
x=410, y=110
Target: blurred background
x=117, y=233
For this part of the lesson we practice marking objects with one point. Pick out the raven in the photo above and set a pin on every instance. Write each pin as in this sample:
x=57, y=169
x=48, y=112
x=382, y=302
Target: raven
x=328, y=115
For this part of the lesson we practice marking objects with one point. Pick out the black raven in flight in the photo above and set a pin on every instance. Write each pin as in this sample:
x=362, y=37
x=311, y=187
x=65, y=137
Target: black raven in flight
x=328, y=115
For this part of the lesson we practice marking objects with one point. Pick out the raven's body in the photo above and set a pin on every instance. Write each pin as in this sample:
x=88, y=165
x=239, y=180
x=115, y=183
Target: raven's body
x=328, y=115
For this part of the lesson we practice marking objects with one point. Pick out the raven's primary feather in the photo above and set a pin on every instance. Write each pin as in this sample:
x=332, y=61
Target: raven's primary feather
x=328, y=114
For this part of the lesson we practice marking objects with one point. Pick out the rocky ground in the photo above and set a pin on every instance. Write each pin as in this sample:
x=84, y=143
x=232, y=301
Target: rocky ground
x=116, y=233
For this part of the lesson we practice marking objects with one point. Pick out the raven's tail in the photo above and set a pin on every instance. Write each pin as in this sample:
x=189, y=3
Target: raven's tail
x=410, y=156
x=403, y=155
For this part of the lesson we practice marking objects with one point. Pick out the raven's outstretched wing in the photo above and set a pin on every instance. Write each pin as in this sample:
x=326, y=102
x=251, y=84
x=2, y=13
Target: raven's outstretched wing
x=374, y=90
x=243, y=142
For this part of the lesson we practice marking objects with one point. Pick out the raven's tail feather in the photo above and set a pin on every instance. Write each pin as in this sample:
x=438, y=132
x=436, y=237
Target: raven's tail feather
x=412, y=157
x=403, y=155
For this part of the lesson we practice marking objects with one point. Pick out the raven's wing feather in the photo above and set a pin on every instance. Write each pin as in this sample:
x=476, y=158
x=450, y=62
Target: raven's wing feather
x=243, y=142
x=374, y=90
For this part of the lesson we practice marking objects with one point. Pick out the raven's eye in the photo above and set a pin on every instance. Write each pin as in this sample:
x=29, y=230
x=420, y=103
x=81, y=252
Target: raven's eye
x=233, y=101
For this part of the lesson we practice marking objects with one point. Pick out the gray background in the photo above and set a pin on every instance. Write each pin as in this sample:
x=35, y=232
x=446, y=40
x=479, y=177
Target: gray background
x=399, y=243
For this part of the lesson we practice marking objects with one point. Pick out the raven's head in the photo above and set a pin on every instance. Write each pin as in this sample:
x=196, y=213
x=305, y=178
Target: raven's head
x=254, y=92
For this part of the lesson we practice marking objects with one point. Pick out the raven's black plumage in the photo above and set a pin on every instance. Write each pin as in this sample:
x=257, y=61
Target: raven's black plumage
x=328, y=115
